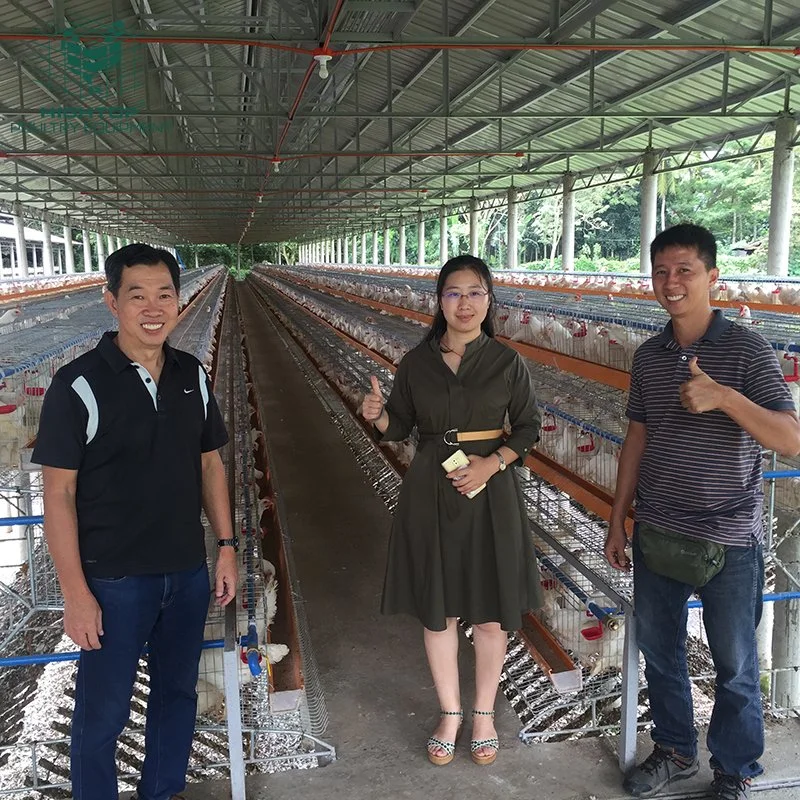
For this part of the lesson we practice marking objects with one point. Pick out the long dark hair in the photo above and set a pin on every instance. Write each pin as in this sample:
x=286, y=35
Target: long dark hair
x=457, y=264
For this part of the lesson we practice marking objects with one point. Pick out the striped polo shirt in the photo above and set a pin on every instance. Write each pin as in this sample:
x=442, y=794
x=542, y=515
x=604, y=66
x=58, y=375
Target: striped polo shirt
x=700, y=474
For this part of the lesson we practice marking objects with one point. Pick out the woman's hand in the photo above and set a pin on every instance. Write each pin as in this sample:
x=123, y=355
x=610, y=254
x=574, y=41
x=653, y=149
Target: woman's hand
x=372, y=404
x=480, y=469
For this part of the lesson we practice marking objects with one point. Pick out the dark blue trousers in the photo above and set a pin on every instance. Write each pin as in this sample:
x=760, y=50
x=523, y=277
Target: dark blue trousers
x=166, y=612
x=732, y=602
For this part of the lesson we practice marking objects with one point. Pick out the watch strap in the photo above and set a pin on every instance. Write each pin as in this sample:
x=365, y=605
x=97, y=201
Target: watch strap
x=234, y=543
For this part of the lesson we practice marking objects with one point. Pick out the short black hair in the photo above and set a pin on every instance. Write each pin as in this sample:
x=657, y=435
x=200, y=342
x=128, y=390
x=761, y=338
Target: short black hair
x=687, y=235
x=457, y=264
x=138, y=253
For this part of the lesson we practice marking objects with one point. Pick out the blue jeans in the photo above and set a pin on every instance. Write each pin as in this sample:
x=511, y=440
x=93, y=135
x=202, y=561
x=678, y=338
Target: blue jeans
x=732, y=602
x=167, y=612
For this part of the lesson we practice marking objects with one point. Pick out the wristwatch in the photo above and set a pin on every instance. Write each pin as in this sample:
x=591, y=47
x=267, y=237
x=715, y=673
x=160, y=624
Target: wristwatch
x=234, y=543
x=503, y=464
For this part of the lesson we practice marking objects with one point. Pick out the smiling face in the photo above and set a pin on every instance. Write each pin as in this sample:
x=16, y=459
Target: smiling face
x=146, y=307
x=681, y=282
x=465, y=302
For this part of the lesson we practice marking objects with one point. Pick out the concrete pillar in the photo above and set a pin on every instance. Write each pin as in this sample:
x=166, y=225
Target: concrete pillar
x=337, y=256
x=19, y=241
x=47, y=247
x=87, y=251
x=420, y=239
x=69, y=251
x=387, y=250
x=780, y=209
x=442, y=236
x=346, y=250
x=119, y=245
x=101, y=253
x=401, y=243
x=35, y=259
x=59, y=261
x=648, y=210
x=375, y=246
x=473, y=226
x=196, y=260
x=786, y=626
x=512, y=233
x=355, y=248
x=111, y=247
x=568, y=224
x=363, y=247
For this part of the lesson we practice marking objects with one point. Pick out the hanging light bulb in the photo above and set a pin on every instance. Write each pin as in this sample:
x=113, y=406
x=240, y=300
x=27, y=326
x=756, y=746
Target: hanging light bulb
x=322, y=59
x=276, y=165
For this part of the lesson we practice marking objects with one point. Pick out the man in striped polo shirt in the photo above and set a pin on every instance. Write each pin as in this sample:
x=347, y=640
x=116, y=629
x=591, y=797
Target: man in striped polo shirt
x=706, y=396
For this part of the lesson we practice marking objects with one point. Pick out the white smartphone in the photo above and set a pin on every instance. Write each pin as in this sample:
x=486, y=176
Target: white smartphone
x=456, y=461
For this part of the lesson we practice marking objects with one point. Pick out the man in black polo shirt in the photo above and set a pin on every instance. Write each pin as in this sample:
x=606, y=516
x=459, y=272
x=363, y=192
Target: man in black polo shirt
x=706, y=396
x=128, y=443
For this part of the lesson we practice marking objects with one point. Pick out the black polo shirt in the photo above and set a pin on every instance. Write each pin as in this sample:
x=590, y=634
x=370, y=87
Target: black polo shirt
x=137, y=448
x=700, y=474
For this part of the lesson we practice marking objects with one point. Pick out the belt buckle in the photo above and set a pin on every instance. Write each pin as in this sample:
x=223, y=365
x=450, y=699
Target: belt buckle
x=447, y=441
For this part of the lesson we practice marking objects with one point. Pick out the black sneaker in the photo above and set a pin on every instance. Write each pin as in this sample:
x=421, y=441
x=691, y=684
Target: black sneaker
x=658, y=770
x=730, y=787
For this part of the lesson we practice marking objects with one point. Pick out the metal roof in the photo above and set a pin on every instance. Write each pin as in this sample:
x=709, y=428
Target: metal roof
x=210, y=122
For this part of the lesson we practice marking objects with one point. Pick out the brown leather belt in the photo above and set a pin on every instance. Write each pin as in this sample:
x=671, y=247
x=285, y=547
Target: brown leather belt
x=470, y=436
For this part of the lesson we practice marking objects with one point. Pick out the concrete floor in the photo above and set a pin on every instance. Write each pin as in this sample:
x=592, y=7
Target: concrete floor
x=378, y=690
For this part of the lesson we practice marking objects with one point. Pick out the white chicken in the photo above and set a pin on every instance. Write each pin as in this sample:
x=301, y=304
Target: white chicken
x=7, y=317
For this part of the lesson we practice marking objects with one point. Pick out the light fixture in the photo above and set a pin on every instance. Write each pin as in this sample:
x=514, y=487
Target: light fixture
x=259, y=197
x=520, y=156
x=276, y=164
x=322, y=59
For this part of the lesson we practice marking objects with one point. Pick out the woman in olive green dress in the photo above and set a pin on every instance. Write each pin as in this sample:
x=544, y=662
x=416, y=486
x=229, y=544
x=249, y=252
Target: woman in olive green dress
x=451, y=556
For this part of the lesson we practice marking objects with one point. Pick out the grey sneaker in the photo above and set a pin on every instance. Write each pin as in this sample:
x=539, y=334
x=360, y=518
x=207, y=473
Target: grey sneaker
x=658, y=770
x=730, y=787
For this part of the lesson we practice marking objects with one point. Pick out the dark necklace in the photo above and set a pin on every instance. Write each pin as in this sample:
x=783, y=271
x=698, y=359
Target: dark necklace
x=445, y=349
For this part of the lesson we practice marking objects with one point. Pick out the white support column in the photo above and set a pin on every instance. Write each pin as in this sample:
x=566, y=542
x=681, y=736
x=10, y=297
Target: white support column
x=346, y=250
x=196, y=260
x=87, y=251
x=420, y=239
x=47, y=247
x=69, y=252
x=375, y=246
x=35, y=259
x=19, y=241
x=387, y=259
x=119, y=245
x=401, y=243
x=355, y=248
x=101, y=252
x=442, y=236
x=780, y=209
x=568, y=224
x=512, y=232
x=59, y=261
x=648, y=211
x=473, y=226
x=363, y=247
x=111, y=247
x=337, y=259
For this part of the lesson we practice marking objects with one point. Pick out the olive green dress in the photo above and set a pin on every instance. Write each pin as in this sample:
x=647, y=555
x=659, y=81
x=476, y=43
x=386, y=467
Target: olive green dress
x=450, y=556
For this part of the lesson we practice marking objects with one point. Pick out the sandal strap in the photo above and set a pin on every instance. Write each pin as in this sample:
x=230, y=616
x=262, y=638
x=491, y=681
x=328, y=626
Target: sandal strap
x=448, y=747
x=451, y=713
x=476, y=744
x=482, y=713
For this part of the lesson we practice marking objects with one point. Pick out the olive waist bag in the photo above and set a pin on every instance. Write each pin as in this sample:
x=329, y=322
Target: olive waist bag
x=682, y=558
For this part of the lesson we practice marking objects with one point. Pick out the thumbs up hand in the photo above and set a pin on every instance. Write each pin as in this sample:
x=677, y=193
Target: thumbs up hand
x=372, y=404
x=701, y=393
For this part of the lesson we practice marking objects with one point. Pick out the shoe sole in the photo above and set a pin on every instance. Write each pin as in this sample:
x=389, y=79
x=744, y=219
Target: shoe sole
x=689, y=772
